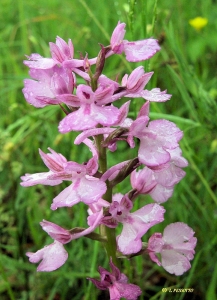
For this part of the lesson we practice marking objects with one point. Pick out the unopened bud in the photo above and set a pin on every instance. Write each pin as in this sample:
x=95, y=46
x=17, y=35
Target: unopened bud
x=100, y=62
x=117, y=133
x=125, y=171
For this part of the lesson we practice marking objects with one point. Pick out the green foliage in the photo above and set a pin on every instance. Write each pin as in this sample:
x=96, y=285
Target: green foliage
x=186, y=67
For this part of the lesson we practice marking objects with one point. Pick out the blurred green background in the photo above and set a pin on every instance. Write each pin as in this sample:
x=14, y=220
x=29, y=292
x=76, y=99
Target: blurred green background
x=185, y=66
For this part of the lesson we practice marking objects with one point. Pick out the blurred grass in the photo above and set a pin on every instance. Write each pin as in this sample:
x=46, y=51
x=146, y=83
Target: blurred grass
x=186, y=67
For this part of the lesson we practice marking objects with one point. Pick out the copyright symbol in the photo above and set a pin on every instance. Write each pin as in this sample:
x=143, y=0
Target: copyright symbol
x=164, y=290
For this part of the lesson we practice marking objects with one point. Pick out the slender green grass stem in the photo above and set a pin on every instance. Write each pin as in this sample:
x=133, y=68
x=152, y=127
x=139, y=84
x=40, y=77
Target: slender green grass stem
x=4, y=276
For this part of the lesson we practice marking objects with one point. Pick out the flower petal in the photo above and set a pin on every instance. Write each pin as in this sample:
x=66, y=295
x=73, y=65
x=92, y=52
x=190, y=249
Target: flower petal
x=174, y=262
x=53, y=257
x=140, y=50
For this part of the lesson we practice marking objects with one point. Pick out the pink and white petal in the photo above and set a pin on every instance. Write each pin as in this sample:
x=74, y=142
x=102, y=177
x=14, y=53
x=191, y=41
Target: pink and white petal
x=92, y=165
x=186, y=248
x=54, y=161
x=90, y=189
x=151, y=152
x=85, y=94
x=39, y=178
x=109, y=221
x=138, y=126
x=78, y=120
x=135, y=88
x=154, y=258
x=161, y=194
x=143, y=180
x=117, y=38
x=144, y=110
x=177, y=233
x=33, y=90
x=134, y=77
x=146, y=217
x=177, y=159
x=43, y=76
x=38, y=62
x=104, y=81
x=169, y=176
x=75, y=169
x=155, y=95
x=155, y=243
x=68, y=99
x=174, y=263
x=168, y=133
x=123, y=112
x=92, y=147
x=103, y=94
x=68, y=197
x=53, y=257
x=124, y=80
x=119, y=95
x=67, y=49
x=56, y=232
x=92, y=132
x=106, y=115
x=91, y=219
x=41, y=86
x=73, y=64
x=121, y=290
x=78, y=71
x=127, y=241
x=140, y=50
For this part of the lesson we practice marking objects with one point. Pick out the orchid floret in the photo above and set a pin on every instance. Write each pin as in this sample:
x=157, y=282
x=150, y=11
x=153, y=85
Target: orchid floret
x=176, y=247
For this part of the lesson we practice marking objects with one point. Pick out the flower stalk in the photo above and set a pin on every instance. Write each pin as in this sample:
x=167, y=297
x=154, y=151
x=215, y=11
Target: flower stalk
x=155, y=170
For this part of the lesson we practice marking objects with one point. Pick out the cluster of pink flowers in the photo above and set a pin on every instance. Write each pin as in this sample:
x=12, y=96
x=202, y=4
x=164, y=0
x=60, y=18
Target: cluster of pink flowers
x=90, y=109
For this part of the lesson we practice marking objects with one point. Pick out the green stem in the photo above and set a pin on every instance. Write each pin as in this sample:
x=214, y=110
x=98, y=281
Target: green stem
x=110, y=245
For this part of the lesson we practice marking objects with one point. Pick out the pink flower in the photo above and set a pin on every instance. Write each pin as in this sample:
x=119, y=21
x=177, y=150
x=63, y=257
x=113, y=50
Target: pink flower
x=95, y=108
x=136, y=81
x=144, y=182
x=135, y=224
x=50, y=86
x=60, y=52
x=159, y=181
x=54, y=255
x=156, y=140
x=170, y=173
x=155, y=95
x=84, y=188
x=57, y=233
x=36, y=61
x=134, y=51
x=117, y=38
x=56, y=164
x=176, y=247
x=116, y=283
